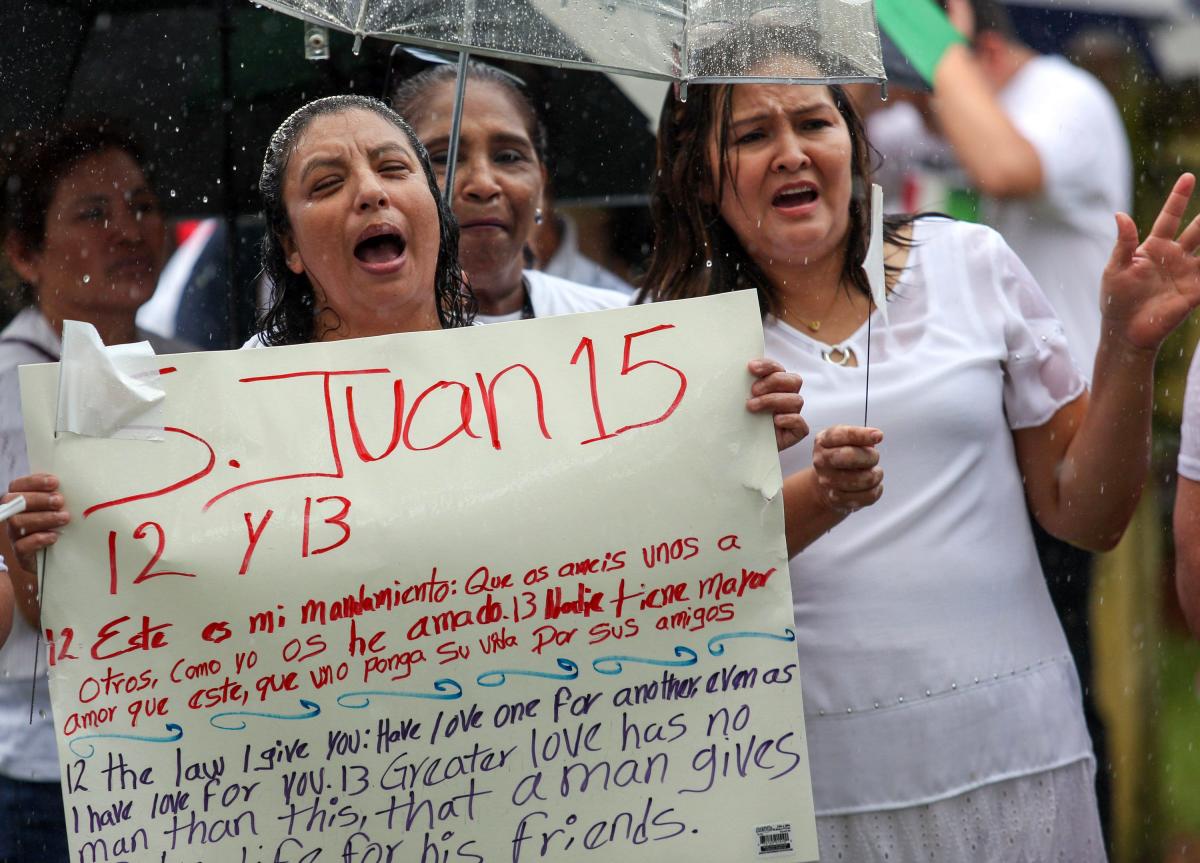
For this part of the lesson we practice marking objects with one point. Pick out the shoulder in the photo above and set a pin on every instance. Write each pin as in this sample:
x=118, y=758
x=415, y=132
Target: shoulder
x=27, y=339
x=943, y=235
x=551, y=295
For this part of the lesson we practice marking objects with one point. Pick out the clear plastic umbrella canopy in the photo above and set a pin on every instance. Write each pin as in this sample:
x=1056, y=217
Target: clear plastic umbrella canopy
x=684, y=40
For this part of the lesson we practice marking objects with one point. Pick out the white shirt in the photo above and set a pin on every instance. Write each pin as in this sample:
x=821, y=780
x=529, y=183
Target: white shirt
x=548, y=295
x=1189, y=445
x=28, y=751
x=1066, y=233
x=932, y=659
x=551, y=296
x=569, y=263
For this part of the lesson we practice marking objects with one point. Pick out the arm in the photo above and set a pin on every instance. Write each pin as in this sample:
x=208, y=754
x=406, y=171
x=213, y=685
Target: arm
x=22, y=582
x=1187, y=551
x=845, y=477
x=6, y=607
x=1085, y=468
x=1000, y=161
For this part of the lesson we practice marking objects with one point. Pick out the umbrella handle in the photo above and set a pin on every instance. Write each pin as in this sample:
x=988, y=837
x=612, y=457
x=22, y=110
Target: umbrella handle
x=460, y=93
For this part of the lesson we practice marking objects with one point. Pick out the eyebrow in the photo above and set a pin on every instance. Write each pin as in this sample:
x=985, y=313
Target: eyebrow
x=504, y=139
x=338, y=161
x=812, y=108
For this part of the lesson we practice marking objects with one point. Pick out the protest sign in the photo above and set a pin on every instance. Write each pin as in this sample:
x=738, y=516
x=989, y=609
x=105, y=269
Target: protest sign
x=510, y=593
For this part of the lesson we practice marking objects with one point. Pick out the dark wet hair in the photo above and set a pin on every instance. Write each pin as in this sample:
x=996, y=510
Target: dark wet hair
x=292, y=315
x=689, y=230
x=410, y=93
x=33, y=163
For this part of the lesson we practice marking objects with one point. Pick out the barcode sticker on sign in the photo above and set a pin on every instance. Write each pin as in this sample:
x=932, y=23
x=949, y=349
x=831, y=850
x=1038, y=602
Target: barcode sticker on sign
x=773, y=838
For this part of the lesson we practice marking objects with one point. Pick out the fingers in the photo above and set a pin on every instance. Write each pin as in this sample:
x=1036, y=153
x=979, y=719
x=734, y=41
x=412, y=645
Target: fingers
x=1126, y=244
x=790, y=429
x=1171, y=215
x=1189, y=240
x=33, y=482
x=847, y=466
x=837, y=436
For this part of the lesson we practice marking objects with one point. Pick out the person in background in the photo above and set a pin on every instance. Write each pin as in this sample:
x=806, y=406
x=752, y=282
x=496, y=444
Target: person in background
x=500, y=190
x=942, y=706
x=84, y=232
x=555, y=245
x=1187, y=504
x=1044, y=143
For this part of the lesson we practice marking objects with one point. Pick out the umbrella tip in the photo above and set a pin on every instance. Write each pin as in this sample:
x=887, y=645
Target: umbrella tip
x=358, y=40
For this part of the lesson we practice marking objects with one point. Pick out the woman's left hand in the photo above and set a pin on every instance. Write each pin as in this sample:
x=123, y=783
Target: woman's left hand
x=1149, y=288
x=777, y=392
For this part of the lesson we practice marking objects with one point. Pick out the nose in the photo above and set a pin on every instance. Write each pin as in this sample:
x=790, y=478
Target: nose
x=124, y=223
x=370, y=193
x=790, y=155
x=476, y=180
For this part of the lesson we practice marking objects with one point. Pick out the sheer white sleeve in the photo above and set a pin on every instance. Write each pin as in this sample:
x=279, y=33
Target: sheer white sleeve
x=1189, y=447
x=1039, y=374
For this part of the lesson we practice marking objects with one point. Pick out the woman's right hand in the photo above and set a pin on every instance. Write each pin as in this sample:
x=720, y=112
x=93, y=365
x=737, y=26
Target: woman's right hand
x=846, y=464
x=45, y=513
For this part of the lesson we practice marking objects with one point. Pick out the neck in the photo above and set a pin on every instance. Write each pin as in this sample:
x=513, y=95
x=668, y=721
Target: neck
x=115, y=328
x=501, y=296
x=331, y=327
x=807, y=284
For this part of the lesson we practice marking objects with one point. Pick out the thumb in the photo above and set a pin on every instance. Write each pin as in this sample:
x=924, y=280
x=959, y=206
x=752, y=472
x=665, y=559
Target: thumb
x=1126, y=244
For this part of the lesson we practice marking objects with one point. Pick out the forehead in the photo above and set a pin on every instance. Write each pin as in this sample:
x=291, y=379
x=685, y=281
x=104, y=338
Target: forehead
x=751, y=99
x=486, y=105
x=104, y=173
x=354, y=129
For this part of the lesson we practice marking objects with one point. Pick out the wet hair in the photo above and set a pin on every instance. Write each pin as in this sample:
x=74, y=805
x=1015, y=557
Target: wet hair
x=410, y=93
x=292, y=315
x=31, y=166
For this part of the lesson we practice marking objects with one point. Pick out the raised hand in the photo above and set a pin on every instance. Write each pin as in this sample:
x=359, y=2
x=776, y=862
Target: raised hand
x=1149, y=288
x=777, y=392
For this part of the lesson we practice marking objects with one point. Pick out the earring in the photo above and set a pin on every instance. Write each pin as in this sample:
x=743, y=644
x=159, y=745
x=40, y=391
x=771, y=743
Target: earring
x=537, y=216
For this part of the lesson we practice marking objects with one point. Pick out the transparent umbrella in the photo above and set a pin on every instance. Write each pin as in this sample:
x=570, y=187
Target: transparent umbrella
x=701, y=41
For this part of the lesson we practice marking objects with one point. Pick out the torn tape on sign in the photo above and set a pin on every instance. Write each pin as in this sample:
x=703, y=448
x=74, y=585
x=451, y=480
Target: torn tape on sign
x=108, y=391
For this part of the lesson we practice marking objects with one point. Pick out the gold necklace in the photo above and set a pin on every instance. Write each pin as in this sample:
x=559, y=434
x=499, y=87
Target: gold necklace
x=814, y=325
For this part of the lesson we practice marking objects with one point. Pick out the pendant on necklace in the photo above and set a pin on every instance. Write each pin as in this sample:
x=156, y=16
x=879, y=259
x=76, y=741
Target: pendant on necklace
x=815, y=326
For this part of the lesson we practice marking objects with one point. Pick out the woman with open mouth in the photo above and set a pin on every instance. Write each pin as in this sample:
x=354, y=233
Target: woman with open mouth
x=499, y=189
x=942, y=705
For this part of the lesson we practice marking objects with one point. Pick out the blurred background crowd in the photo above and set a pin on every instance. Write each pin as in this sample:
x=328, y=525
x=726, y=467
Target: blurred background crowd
x=203, y=83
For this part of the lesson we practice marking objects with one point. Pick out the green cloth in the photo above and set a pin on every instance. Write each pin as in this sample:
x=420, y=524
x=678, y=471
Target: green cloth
x=920, y=30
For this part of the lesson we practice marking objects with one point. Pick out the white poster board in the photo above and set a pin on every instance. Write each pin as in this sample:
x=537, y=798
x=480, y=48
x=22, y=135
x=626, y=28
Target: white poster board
x=512, y=593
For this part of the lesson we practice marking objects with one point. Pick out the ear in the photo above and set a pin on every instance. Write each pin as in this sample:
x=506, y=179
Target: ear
x=25, y=261
x=291, y=254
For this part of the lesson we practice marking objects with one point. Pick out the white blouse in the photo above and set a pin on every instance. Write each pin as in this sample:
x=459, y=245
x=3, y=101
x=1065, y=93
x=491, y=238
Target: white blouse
x=932, y=659
x=1189, y=445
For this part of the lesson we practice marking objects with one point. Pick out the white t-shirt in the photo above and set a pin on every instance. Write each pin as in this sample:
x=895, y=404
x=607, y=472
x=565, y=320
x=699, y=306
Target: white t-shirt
x=932, y=659
x=1065, y=234
x=28, y=751
x=570, y=263
x=550, y=296
x=1189, y=445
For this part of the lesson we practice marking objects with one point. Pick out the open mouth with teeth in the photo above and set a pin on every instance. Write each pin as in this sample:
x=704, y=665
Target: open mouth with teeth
x=794, y=197
x=380, y=249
